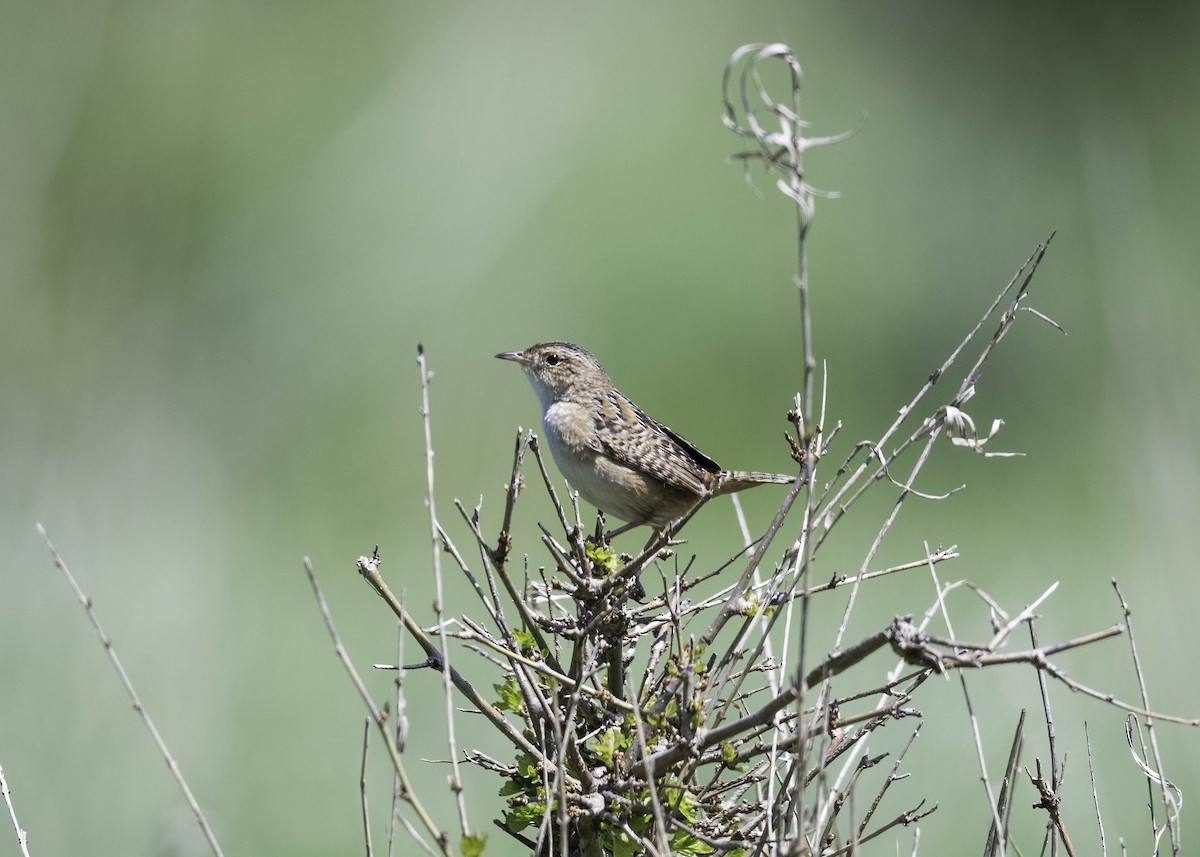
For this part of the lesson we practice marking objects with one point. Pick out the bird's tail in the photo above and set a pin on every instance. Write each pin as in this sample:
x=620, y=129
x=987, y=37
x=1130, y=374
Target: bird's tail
x=732, y=481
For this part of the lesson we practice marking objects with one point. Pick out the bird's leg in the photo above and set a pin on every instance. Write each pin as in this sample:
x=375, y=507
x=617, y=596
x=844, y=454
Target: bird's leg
x=667, y=532
x=624, y=528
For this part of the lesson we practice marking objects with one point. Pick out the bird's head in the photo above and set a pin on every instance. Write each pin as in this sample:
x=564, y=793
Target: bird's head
x=558, y=370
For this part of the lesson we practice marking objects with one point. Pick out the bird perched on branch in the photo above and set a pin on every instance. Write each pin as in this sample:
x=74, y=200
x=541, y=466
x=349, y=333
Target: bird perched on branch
x=621, y=461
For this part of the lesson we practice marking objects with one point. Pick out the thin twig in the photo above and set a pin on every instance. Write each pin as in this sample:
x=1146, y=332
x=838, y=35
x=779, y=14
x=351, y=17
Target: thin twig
x=362, y=787
x=436, y=543
x=891, y=778
x=401, y=733
x=515, y=483
x=997, y=835
x=379, y=718
x=531, y=622
x=22, y=836
x=368, y=567
x=133, y=696
x=834, y=508
x=1168, y=804
x=993, y=807
x=878, y=542
x=1055, y=780
x=1051, y=802
x=1095, y=795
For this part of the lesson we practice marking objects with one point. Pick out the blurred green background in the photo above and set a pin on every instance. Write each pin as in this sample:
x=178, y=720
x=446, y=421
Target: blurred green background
x=225, y=227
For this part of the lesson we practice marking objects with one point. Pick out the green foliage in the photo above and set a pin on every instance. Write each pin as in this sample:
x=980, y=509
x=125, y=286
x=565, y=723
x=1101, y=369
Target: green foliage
x=508, y=694
x=678, y=802
x=608, y=743
x=729, y=756
x=526, y=797
x=527, y=801
x=528, y=644
x=520, y=816
x=473, y=844
x=683, y=843
x=603, y=558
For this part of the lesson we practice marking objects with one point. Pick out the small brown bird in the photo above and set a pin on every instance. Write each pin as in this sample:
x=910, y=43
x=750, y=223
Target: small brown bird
x=617, y=458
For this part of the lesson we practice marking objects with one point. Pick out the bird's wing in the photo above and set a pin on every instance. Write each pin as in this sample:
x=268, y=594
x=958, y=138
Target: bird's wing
x=647, y=445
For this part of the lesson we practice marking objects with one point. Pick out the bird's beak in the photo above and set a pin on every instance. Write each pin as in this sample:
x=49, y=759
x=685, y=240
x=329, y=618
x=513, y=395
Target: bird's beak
x=514, y=356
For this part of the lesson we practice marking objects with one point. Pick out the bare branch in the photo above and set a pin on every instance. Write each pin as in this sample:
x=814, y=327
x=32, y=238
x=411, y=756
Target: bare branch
x=22, y=837
x=176, y=773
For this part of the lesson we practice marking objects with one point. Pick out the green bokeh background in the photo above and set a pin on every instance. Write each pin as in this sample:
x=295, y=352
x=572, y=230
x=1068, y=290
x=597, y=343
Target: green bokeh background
x=224, y=227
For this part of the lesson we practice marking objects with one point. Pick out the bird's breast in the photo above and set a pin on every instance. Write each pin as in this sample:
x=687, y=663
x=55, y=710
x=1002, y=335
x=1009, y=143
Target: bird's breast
x=568, y=427
x=622, y=491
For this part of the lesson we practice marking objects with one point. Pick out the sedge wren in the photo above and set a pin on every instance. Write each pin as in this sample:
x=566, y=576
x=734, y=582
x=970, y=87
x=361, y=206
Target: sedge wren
x=618, y=459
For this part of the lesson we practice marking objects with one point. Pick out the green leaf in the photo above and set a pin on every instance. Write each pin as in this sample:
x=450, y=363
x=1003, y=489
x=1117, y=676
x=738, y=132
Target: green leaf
x=527, y=643
x=518, y=818
x=685, y=844
x=607, y=744
x=472, y=844
x=513, y=787
x=604, y=557
x=683, y=801
x=527, y=768
x=614, y=841
x=508, y=695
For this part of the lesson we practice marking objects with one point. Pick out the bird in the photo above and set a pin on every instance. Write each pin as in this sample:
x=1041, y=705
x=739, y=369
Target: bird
x=620, y=460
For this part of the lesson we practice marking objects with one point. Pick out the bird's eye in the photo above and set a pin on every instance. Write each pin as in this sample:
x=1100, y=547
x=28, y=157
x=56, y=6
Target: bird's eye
x=552, y=359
